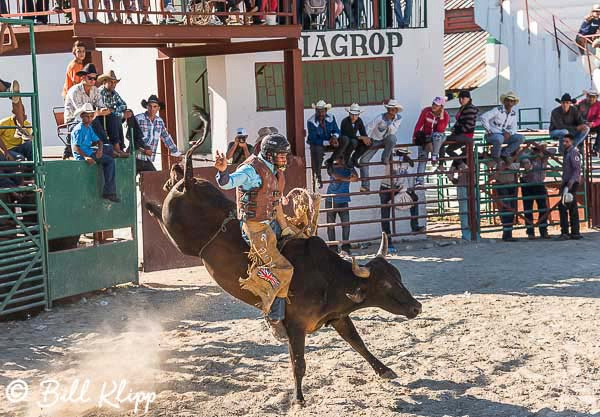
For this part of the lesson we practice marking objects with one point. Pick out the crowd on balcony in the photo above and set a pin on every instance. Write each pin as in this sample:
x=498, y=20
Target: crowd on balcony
x=312, y=14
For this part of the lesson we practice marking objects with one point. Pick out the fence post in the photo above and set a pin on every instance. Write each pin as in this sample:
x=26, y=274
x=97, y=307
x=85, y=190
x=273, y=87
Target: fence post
x=471, y=193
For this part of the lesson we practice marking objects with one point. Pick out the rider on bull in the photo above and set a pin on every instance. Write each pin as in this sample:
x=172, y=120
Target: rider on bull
x=258, y=200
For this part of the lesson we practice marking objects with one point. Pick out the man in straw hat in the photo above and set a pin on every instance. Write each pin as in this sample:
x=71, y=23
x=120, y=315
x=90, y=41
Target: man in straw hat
x=500, y=125
x=566, y=119
x=154, y=130
x=353, y=132
x=323, y=136
x=382, y=131
x=114, y=102
x=589, y=107
x=83, y=138
x=105, y=124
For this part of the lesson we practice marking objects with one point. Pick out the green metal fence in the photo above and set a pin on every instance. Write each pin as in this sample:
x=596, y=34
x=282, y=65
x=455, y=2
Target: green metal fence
x=23, y=278
x=53, y=200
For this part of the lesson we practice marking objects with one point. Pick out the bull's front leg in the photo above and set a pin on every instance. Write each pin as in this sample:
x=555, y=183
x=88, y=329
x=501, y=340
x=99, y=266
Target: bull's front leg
x=346, y=329
x=296, y=342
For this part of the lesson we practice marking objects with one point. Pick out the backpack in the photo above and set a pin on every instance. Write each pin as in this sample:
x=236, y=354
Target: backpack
x=315, y=7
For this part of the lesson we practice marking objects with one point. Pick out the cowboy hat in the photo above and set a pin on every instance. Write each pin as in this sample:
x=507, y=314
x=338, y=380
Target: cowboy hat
x=354, y=109
x=86, y=108
x=391, y=104
x=88, y=69
x=565, y=97
x=321, y=105
x=591, y=92
x=596, y=8
x=110, y=76
x=264, y=131
x=153, y=99
x=509, y=96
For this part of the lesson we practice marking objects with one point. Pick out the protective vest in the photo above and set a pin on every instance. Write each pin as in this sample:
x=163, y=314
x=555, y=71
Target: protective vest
x=259, y=204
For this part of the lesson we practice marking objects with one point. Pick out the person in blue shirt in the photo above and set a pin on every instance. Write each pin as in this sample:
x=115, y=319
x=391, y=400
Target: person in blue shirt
x=83, y=138
x=588, y=27
x=258, y=199
x=337, y=201
x=323, y=136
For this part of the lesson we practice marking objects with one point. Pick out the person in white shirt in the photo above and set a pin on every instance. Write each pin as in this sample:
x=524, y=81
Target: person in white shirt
x=381, y=130
x=500, y=125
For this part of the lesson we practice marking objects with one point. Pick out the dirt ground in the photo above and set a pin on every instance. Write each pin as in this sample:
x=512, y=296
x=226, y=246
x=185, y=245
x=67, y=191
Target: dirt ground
x=508, y=329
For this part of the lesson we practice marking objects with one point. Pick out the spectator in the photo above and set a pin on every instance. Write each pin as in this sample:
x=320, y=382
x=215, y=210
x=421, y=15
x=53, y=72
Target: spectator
x=76, y=65
x=588, y=27
x=590, y=110
x=500, y=125
x=128, y=7
x=458, y=175
x=262, y=133
x=402, y=18
x=59, y=5
x=169, y=9
x=505, y=177
x=571, y=178
x=323, y=135
x=85, y=6
x=239, y=150
x=429, y=134
x=354, y=132
x=18, y=109
x=134, y=134
x=353, y=11
x=28, y=6
x=154, y=130
x=113, y=101
x=382, y=131
x=341, y=177
x=534, y=190
x=566, y=119
x=83, y=138
x=398, y=181
x=463, y=130
x=15, y=142
x=105, y=123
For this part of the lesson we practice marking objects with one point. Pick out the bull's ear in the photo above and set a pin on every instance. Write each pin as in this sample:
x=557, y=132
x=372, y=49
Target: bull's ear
x=358, y=295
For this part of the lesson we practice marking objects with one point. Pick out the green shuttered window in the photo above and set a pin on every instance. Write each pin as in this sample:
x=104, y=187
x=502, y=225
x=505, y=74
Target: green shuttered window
x=339, y=82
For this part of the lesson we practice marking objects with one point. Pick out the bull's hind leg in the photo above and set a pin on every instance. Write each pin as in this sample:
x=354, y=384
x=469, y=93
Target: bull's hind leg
x=297, y=338
x=346, y=329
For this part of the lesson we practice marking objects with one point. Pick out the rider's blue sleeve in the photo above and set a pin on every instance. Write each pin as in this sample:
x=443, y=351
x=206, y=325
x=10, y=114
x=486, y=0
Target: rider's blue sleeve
x=245, y=177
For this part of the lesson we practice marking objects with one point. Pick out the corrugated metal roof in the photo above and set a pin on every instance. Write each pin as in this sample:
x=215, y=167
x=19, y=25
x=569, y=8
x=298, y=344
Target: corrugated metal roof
x=464, y=60
x=458, y=4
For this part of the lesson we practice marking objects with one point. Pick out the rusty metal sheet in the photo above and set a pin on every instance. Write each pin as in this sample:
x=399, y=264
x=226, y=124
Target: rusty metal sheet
x=159, y=252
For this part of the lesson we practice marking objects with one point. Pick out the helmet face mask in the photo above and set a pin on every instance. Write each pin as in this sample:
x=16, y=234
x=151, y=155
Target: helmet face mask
x=272, y=146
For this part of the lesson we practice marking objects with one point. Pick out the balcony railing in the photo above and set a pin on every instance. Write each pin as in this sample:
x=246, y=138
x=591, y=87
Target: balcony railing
x=150, y=12
x=313, y=15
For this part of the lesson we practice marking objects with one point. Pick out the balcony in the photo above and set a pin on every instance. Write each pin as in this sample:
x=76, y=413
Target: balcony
x=156, y=23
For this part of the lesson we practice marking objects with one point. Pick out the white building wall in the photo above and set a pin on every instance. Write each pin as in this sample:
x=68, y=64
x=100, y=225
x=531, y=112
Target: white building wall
x=536, y=73
x=417, y=78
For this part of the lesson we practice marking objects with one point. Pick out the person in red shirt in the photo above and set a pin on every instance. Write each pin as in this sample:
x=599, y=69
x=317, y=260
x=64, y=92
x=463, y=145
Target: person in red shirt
x=589, y=107
x=429, y=134
x=76, y=65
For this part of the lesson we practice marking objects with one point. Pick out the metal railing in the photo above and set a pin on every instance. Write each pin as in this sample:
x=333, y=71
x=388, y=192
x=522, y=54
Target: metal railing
x=362, y=14
x=189, y=13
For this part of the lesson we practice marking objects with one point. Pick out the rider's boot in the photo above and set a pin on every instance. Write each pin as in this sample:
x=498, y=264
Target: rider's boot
x=275, y=319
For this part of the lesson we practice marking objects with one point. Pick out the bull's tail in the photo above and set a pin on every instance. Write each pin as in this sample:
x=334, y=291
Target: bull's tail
x=188, y=169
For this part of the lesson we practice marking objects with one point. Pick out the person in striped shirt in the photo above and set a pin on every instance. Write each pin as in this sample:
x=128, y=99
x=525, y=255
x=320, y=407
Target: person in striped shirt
x=154, y=130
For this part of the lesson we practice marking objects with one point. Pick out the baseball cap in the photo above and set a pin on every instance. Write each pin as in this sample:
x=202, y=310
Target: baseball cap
x=241, y=132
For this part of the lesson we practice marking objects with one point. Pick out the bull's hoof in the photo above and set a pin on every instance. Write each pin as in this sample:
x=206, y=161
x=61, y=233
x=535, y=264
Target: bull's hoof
x=388, y=374
x=299, y=402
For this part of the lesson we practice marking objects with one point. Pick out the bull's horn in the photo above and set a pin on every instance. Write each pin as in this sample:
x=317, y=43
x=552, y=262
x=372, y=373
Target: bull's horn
x=360, y=271
x=383, y=247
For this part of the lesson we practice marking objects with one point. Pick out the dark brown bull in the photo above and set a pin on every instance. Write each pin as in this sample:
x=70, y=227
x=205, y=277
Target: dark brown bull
x=325, y=289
